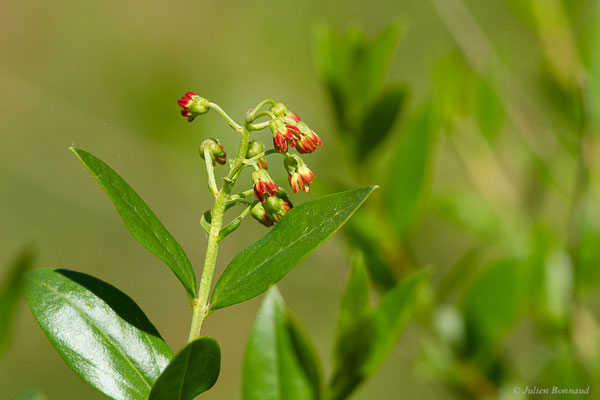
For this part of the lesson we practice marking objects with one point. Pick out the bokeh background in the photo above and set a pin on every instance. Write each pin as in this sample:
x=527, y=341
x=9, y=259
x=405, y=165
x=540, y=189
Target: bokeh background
x=509, y=183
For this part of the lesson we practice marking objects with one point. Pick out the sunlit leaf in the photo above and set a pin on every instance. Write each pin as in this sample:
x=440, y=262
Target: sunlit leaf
x=9, y=296
x=279, y=362
x=99, y=331
x=193, y=370
x=140, y=220
x=296, y=235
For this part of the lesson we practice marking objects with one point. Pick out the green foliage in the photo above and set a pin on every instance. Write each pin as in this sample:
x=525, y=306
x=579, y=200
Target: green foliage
x=494, y=302
x=367, y=334
x=408, y=177
x=140, y=220
x=460, y=92
x=193, y=370
x=279, y=362
x=302, y=230
x=354, y=70
x=9, y=296
x=100, y=332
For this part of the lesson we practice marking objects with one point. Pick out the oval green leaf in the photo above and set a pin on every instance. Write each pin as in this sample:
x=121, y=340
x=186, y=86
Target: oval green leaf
x=99, y=331
x=140, y=220
x=193, y=370
x=299, y=232
x=279, y=362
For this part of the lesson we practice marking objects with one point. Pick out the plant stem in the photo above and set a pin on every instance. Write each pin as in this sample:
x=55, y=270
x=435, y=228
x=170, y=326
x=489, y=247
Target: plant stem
x=201, y=305
x=226, y=116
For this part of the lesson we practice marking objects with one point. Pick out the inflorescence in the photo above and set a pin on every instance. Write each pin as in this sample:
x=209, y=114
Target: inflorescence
x=289, y=132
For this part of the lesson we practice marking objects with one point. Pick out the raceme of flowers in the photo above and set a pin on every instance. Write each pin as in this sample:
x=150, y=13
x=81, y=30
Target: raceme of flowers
x=289, y=132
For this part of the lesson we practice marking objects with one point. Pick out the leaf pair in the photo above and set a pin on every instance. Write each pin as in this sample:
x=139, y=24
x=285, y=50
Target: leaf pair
x=253, y=270
x=366, y=334
x=109, y=342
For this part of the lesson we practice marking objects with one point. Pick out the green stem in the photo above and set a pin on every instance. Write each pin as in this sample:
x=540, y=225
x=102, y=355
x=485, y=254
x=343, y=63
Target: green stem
x=208, y=159
x=262, y=103
x=201, y=305
x=258, y=127
x=232, y=123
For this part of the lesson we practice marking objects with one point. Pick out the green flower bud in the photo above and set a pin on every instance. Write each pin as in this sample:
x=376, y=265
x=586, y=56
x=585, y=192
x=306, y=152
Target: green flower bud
x=216, y=149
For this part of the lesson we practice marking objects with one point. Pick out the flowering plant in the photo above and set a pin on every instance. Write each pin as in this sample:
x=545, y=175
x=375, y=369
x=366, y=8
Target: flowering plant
x=107, y=340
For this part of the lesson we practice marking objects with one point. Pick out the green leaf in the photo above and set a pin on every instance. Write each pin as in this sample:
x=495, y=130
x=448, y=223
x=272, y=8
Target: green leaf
x=99, y=331
x=470, y=212
x=379, y=120
x=297, y=234
x=9, y=296
x=279, y=362
x=355, y=299
x=140, y=220
x=361, y=232
x=488, y=109
x=193, y=370
x=373, y=66
x=493, y=303
x=408, y=176
x=367, y=340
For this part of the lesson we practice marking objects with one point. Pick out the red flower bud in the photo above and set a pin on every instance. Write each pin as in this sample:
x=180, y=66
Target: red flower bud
x=283, y=135
x=299, y=175
x=193, y=105
x=306, y=140
x=277, y=206
x=264, y=186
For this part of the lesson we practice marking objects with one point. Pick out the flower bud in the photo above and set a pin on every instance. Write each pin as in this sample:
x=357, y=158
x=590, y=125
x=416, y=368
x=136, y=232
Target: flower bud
x=277, y=206
x=217, y=151
x=258, y=213
x=306, y=139
x=279, y=109
x=254, y=149
x=193, y=105
x=264, y=186
x=299, y=175
x=283, y=134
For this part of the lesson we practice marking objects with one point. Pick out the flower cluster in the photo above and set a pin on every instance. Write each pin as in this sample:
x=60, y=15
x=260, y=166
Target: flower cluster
x=289, y=132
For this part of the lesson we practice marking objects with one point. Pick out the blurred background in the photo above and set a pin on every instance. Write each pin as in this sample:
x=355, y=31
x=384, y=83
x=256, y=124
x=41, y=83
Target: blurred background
x=479, y=120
